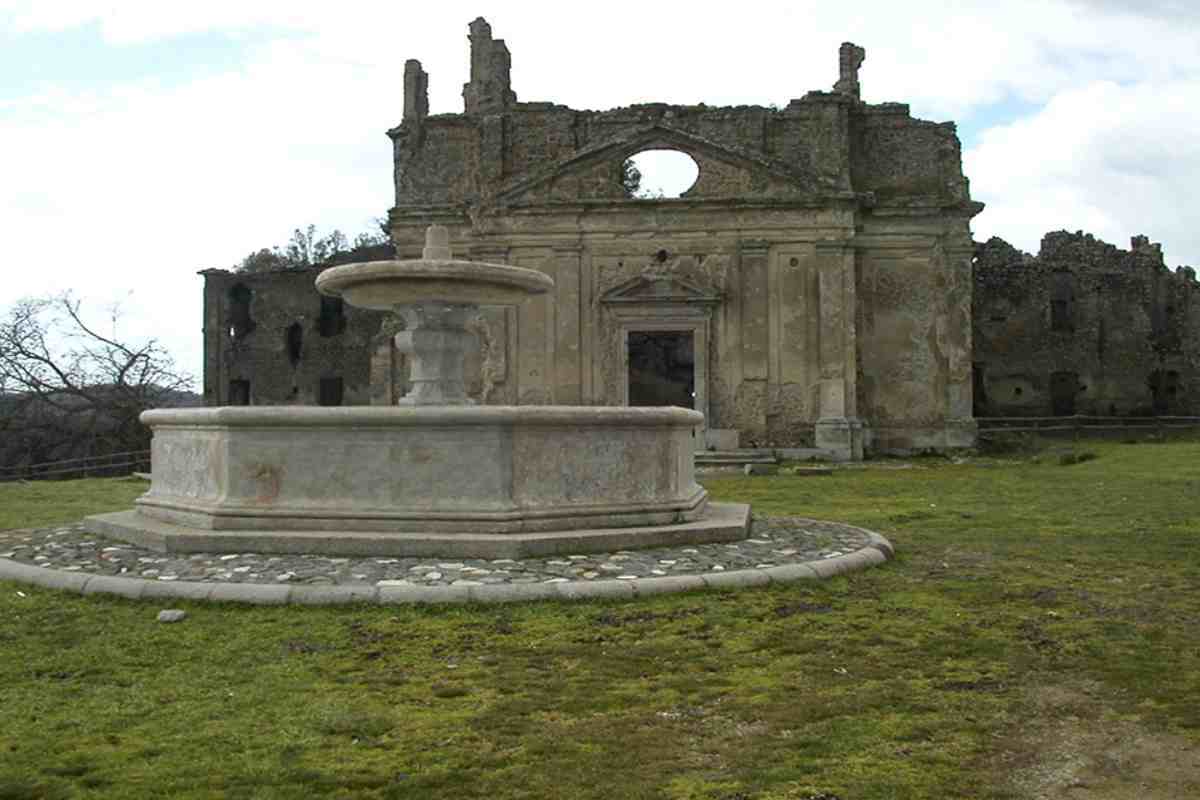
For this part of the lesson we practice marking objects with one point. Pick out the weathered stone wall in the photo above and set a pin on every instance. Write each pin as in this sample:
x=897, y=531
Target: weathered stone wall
x=1126, y=327
x=281, y=353
x=821, y=260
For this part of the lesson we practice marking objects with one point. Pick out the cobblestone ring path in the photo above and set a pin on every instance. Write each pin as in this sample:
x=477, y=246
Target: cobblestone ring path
x=780, y=549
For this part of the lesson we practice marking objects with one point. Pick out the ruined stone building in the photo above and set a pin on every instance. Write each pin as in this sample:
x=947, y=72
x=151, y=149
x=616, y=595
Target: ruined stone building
x=811, y=289
x=1084, y=328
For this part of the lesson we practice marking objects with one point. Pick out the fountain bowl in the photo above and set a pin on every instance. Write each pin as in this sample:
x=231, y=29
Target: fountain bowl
x=386, y=285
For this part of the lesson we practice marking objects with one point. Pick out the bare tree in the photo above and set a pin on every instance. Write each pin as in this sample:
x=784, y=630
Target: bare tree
x=70, y=390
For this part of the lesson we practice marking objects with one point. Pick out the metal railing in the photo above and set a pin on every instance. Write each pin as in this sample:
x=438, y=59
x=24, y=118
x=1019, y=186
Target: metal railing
x=110, y=465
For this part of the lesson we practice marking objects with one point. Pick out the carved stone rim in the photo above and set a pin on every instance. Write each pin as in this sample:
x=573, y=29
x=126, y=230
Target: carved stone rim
x=423, y=416
x=336, y=280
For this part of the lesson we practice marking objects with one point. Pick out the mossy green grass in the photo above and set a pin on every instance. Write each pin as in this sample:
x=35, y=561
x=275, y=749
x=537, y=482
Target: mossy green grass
x=910, y=680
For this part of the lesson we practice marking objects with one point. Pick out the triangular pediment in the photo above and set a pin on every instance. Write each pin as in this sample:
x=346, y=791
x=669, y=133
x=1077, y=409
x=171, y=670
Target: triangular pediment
x=652, y=288
x=586, y=170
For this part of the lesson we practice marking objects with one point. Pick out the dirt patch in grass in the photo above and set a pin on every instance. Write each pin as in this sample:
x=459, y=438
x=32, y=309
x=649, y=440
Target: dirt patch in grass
x=1073, y=745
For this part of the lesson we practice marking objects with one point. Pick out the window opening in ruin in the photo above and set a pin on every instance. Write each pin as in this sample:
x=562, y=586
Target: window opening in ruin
x=1064, y=386
x=659, y=174
x=1060, y=315
x=295, y=341
x=662, y=368
x=1062, y=300
x=239, y=392
x=329, y=393
x=240, y=321
x=1164, y=389
x=979, y=390
x=332, y=320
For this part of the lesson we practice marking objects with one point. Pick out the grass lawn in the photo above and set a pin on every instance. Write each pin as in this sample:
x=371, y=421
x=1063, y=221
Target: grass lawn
x=1038, y=635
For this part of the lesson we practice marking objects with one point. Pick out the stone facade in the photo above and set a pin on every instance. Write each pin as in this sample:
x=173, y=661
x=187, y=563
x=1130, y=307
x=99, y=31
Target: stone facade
x=821, y=263
x=1084, y=327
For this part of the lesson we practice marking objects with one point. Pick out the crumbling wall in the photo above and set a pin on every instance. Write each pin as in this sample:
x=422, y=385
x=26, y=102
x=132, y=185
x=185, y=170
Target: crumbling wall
x=790, y=206
x=820, y=262
x=294, y=342
x=1084, y=327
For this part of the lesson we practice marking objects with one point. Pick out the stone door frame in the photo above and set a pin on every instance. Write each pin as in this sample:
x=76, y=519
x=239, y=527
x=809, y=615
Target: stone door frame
x=645, y=320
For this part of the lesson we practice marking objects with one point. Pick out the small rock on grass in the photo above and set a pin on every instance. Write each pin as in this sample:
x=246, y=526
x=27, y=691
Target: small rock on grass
x=171, y=615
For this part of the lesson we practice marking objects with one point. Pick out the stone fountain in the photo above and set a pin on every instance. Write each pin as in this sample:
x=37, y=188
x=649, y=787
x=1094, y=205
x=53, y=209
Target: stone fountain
x=434, y=475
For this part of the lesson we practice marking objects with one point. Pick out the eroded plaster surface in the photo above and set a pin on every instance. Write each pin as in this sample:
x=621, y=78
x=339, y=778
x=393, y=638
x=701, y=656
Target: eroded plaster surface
x=821, y=260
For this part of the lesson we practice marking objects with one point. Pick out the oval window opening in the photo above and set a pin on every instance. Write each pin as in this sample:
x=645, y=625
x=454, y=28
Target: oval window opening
x=658, y=174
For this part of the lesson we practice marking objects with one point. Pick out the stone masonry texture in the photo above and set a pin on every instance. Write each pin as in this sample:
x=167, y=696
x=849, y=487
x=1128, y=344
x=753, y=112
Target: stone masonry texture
x=822, y=265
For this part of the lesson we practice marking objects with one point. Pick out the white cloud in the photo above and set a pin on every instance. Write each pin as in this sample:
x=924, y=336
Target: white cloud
x=139, y=188
x=1111, y=160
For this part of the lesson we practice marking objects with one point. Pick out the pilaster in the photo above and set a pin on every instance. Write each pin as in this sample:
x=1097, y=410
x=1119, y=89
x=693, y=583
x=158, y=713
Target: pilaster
x=838, y=428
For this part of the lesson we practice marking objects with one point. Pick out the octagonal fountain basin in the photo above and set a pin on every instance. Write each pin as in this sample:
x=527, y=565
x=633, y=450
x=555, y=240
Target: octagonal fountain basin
x=434, y=476
x=489, y=482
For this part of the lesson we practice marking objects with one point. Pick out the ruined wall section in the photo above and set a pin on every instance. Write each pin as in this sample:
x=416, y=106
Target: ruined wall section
x=914, y=275
x=1084, y=327
x=904, y=161
x=914, y=303
x=828, y=242
x=265, y=330
x=460, y=158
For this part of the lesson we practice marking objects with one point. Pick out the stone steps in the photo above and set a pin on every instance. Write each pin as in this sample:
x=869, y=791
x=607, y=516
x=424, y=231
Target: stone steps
x=734, y=458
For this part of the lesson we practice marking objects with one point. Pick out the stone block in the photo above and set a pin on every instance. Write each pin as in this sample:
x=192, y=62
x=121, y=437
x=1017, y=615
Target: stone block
x=644, y=587
x=595, y=590
x=177, y=590
x=788, y=573
x=58, y=579
x=131, y=588
x=736, y=579
x=423, y=594
x=255, y=593
x=333, y=595
x=513, y=592
x=16, y=571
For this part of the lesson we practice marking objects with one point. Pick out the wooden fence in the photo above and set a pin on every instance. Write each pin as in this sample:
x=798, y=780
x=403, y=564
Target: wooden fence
x=1080, y=424
x=109, y=465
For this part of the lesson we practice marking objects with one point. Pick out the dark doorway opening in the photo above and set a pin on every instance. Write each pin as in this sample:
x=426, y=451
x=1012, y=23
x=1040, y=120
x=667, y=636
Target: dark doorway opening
x=662, y=369
x=1164, y=388
x=979, y=391
x=295, y=343
x=329, y=392
x=240, y=321
x=332, y=319
x=239, y=392
x=1063, y=388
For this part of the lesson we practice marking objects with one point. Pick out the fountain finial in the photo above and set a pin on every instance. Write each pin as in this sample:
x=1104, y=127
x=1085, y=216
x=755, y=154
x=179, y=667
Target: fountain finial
x=437, y=244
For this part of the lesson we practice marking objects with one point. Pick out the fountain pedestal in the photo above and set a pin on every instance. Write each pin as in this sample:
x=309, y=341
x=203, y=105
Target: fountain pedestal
x=436, y=344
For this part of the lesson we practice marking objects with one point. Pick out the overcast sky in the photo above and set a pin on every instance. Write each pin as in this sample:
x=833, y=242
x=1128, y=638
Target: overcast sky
x=142, y=141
